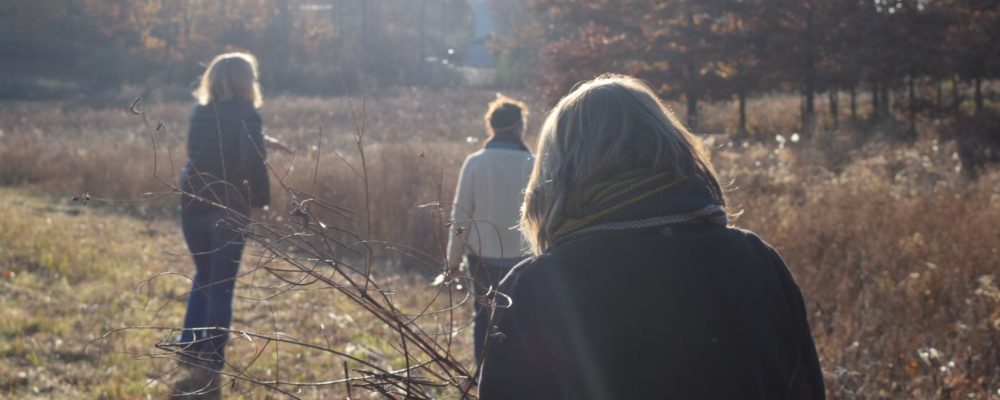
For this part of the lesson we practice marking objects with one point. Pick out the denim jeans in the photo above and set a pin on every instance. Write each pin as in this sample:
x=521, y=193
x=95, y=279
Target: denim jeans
x=486, y=274
x=216, y=248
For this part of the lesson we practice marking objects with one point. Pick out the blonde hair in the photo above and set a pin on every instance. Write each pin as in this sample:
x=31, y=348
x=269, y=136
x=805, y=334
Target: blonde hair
x=230, y=76
x=603, y=129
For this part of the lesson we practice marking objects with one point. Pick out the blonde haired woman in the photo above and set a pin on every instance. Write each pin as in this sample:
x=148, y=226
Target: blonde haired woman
x=487, y=205
x=224, y=179
x=639, y=288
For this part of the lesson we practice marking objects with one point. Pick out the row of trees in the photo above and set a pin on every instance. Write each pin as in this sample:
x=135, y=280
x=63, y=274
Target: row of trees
x=310, y=46
x=696, y=50
x=703, y=50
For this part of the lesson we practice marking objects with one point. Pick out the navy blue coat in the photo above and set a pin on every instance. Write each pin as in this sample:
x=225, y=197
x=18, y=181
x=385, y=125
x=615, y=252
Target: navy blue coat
x=692, y=312
x=226, y=159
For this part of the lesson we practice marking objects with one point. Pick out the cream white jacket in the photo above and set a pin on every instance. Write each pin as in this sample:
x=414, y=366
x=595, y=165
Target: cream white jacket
x=487, y=205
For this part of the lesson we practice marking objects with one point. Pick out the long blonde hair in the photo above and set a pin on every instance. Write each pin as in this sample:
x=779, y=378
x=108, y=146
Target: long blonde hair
x=605, y=128
x=230, y=76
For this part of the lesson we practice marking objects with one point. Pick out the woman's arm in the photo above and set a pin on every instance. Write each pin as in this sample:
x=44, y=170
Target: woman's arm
x=807, y=383
x=462, y=210
x=521, y=354
x=253, y=152
x=275, y=144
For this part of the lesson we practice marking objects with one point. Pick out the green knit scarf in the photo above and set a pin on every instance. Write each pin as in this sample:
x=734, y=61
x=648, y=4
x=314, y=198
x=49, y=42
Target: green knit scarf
x=638, y=200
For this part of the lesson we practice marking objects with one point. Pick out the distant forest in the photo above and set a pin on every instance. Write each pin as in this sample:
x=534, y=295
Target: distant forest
x=930, y=51
x=933, y=53
x=311, y=47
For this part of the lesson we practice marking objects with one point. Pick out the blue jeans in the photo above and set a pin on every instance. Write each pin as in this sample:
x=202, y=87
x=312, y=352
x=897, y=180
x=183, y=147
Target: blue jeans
x=486, y=274
x=216, y=248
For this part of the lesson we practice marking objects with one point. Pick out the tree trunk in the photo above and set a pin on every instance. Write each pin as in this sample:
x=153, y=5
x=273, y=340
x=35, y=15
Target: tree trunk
x=170, y=44
x=940, y=95
x=886, y=106
x=835, y=108
x=912, y=94
x=808, y=109
x=875, y=106
x=280, y=31
x=186, y=20
x=956, y=100
x=979, y=95
x=743, y=114
x=421, y=76
x=875, y=98
x=692, y=110
x=338, y=20
x=337, y=43
x=808, y=114
x=690, y=93
x=364, y=35
x=854, y=104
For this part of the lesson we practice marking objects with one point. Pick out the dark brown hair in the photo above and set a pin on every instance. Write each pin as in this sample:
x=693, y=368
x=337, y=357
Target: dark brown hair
x=506, y=117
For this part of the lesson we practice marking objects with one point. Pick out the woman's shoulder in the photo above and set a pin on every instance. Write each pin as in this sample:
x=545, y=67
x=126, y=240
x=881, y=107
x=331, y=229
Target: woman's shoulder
x=226, y=109
x=767, y=255
x=241, y=109
x=199, y=109
x=476, y=155
x=733, y=232
x=527, y=266
x=522, y=283
x=742, y=241
x=700, y=239
x=752, y=239
x=472, y=161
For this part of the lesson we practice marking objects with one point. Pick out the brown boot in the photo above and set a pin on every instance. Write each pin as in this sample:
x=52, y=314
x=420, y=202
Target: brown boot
x=198, y=379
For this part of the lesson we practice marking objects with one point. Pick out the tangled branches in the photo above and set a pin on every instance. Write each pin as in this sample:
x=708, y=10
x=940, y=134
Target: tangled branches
x=402, y=338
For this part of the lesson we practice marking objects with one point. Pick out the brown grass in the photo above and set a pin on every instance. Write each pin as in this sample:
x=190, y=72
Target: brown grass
x=895, y=251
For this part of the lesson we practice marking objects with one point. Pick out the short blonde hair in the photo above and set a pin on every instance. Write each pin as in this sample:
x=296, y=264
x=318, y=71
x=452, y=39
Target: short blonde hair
x=605, y=128
x=230, y=76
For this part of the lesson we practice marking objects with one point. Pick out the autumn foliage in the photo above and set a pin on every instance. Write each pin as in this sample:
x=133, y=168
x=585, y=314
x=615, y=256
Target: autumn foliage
x=706, y=50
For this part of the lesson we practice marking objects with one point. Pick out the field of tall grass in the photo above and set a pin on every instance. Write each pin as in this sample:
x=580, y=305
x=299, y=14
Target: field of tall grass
x=896, y=251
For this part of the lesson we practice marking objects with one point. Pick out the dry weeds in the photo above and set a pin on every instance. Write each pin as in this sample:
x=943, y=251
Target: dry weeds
x=897, y=253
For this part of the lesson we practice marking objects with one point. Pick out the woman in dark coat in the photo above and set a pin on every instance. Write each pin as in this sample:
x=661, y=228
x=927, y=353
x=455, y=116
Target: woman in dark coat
x=639, y=288
x=223, y=181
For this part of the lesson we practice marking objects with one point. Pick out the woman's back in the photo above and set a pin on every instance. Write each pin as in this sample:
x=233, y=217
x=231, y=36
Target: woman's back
x=690, y=312
x=225, y=148
x=215, y=125
x=489, y=202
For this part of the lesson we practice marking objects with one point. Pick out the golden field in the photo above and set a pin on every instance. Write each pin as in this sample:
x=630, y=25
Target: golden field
x=896, y=251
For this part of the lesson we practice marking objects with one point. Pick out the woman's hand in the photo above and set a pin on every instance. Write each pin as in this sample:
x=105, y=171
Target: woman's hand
x=448, y=275
x=257, y=214
x=273, y=143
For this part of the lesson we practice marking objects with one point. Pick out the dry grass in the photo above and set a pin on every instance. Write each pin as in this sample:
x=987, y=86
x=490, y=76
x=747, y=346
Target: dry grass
x=896, y=252
x=897, y=257
x=71, y=274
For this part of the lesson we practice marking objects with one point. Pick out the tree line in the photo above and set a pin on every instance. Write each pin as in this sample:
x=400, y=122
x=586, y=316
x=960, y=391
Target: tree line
x=928, y=52
x=705, y=50
x=304, y=46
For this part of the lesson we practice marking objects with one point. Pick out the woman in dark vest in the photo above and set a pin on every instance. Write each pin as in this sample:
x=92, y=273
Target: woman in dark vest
x=639, y=288
x=224, y=181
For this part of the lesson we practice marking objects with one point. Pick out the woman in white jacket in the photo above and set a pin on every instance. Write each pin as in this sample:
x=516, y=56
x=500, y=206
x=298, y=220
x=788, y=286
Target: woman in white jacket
x=487, y=207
